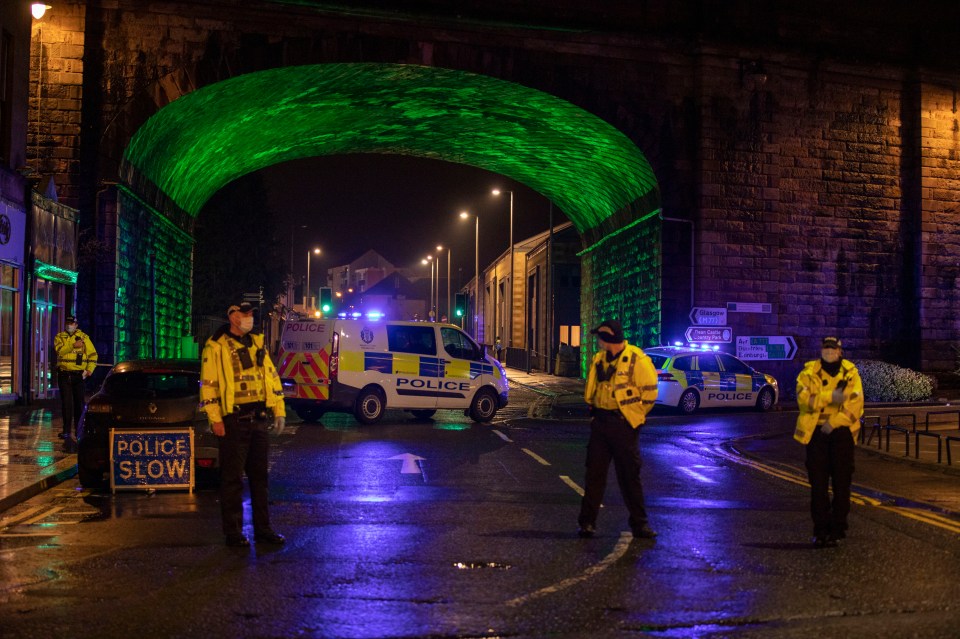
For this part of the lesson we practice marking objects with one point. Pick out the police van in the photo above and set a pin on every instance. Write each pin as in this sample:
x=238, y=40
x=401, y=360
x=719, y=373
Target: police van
x=364, y=366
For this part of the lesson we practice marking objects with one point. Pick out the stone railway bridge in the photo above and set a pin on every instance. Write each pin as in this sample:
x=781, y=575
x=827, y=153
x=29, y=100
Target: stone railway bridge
x=803, y=156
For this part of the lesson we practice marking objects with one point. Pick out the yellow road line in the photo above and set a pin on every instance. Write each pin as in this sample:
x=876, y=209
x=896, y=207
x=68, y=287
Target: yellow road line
x=922, y=516
x=12, y=521
x=572, y=484
x=42, y=515
x=536, y=456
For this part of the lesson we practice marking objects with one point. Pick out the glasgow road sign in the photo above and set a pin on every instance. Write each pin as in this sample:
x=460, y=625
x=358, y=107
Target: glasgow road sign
x=703, y=316
x=756, y=347
x=721, y=334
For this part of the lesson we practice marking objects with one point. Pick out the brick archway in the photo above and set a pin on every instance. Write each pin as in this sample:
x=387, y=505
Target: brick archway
x=194, y=146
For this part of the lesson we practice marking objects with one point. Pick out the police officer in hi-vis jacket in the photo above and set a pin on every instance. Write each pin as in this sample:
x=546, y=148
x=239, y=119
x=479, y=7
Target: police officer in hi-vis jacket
x=830, y=397
x=621, y=389
x=241, y=393
x=76, y=361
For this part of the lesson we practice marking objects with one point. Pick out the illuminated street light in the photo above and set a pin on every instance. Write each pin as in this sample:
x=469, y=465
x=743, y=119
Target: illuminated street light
x=510, y=294
x=306, y=293
x=38, y=9
x=431, y=260
x=476, y=269
x=448, y=313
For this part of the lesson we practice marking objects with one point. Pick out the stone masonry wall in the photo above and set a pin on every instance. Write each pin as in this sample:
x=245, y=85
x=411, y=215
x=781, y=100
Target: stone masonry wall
x=819, y=174
x=940, y=231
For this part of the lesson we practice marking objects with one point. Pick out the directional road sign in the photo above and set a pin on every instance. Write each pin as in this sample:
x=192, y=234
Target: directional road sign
x=755, y=347
x=704, y=316
x=748, y=307
x=717, y=334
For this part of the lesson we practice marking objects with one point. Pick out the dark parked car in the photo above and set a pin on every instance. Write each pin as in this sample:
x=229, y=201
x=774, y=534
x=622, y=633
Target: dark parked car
x=142, y=395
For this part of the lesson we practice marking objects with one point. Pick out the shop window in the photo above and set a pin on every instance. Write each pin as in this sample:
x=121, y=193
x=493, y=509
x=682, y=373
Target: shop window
x=570, y=335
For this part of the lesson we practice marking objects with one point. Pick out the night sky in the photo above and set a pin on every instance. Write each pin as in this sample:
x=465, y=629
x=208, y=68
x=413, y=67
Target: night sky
x=399, y=206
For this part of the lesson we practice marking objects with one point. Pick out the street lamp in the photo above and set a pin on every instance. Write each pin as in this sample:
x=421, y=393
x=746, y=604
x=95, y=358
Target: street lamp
x=306, y=293
x=440, y=252
x=476, y=270
x=510, y=298
x=39, y=9
x=429, y=260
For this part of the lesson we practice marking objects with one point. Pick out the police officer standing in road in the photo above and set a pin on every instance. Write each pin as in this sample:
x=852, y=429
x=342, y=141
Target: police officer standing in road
x=241, y=394
x=621, y=389
x=76, y=361
x=830, y=397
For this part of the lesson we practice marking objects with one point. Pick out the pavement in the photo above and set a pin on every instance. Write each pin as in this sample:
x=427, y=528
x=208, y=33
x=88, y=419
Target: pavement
x=33, y=458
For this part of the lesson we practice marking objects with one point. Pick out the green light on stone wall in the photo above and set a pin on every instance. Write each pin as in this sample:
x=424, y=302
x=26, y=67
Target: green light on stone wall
x=210, y=137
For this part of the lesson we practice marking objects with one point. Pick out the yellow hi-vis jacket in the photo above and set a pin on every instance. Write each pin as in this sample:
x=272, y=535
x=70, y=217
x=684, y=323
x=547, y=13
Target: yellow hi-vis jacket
x=63, y=344
x=225, y=384
x=634, y=383
x=814, y=390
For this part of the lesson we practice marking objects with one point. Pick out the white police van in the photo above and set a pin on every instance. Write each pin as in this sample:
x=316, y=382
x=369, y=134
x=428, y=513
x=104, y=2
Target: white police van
x=367, y=365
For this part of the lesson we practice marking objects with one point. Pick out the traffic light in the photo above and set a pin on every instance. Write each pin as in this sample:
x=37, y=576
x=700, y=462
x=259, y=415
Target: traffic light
x=326, y=299
x=460, y=308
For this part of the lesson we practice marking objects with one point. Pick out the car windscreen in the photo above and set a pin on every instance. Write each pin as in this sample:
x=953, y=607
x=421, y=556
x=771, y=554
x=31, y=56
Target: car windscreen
x=152, y=385
x=658, y=360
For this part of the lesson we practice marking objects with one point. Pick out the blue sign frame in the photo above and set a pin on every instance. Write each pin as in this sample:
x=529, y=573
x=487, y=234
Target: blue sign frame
x=151, y=459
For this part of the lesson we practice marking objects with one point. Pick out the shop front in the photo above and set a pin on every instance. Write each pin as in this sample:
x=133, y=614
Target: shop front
x=54, y=258
x=12, y=227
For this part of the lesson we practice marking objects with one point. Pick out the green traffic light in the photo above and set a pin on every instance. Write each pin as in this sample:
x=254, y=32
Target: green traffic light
x=325, y=308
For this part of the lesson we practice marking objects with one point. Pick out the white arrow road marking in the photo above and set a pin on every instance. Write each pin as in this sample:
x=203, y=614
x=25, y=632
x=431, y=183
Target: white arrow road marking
x=409, y=463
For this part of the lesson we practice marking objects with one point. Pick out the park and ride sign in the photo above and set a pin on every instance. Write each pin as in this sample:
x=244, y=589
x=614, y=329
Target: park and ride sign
x=151, y=459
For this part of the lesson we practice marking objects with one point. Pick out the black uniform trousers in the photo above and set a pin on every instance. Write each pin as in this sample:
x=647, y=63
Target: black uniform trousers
x=612, y=438
x=830, y=457
x=244, y=448
x=71, y=398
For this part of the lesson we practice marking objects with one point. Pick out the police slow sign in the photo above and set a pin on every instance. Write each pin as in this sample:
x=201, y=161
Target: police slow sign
x=151, y=459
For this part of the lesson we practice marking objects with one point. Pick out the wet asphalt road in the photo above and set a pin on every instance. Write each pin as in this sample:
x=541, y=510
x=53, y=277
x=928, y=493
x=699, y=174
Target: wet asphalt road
x=477, y=539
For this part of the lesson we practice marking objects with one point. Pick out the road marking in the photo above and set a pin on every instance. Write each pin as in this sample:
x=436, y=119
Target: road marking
x=572, y=484
x=502, y=436
x=699, y=477
x=42, y=515
x=925, y=517
x=409, y=466
x=922, y=516
x=618, y=551
x=11, y=521
x=536, y=456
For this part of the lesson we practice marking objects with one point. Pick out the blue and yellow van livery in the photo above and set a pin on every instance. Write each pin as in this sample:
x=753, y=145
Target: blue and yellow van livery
x=375, y=364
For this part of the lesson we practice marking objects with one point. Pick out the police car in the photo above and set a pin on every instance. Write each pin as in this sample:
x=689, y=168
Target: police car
x=691, y=378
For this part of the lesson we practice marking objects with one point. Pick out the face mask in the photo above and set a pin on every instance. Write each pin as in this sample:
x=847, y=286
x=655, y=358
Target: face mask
x=830, y=355
x=71, y=328
x=246, y=324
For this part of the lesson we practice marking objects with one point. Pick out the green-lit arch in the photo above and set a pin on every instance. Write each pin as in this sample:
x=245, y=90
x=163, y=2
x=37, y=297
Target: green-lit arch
x=204, y=140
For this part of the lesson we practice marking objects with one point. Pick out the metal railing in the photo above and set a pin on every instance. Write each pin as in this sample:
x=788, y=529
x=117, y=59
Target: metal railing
x=907, y=424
